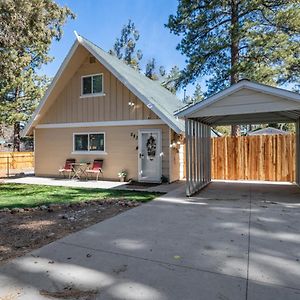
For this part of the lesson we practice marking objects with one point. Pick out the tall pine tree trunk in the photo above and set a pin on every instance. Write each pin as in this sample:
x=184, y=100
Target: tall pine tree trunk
x=234, y=76
x=17, y=139
x=17, y=129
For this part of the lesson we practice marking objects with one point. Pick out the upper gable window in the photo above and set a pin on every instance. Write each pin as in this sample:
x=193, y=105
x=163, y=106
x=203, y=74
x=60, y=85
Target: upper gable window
x=92, y=85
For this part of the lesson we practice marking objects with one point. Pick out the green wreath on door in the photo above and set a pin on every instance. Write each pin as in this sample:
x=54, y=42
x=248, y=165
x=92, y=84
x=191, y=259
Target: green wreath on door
x=151, y=147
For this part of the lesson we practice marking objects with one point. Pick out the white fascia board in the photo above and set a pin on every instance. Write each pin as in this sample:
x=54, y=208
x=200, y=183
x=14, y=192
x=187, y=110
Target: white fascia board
x=57, y=76
x=131, y=87
x=103, y=124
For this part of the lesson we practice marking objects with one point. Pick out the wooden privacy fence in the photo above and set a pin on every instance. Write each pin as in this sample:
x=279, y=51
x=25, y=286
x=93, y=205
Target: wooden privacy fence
x=261, y=157
x=15, y=162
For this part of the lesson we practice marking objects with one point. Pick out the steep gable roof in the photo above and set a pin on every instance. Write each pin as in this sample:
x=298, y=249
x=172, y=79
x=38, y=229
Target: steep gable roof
x=267, y=131
x=157, y=98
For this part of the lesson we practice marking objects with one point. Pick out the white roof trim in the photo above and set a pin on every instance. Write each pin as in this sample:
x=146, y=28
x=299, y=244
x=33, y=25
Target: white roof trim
x=35, y=115
x=274, y=91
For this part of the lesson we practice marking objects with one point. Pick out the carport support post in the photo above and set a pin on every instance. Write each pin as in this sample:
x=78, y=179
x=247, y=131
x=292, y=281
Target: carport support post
x=298, y=152
x=203, y=154
x=193, y=135
x=198, y=154
x=198, y=164
x=209, y=152
x=187, y=156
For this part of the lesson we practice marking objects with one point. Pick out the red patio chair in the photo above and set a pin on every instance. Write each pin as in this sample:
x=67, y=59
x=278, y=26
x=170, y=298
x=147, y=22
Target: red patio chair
x=96, y=168
x=68, y=168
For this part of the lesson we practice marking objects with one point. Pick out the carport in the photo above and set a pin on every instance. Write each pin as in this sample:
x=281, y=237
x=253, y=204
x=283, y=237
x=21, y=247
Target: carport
x=243, y=103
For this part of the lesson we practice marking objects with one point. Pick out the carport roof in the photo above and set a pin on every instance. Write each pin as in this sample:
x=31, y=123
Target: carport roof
x=245, y=102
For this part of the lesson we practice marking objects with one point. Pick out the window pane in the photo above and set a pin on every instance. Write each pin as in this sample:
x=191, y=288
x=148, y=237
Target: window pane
x=97, y=84
x=86, y=85
x=97, y=142
x=81, y=142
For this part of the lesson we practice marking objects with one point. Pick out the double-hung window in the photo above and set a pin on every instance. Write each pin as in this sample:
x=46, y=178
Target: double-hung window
x=89, y=142
x=92, y=85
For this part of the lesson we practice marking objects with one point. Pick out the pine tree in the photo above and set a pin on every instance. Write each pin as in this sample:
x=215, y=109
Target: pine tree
x=150, y=70
x=231, y=40
x=196, y=97
x=170, y=80
x=27, y=30
x=125, y=47
x=198, y=94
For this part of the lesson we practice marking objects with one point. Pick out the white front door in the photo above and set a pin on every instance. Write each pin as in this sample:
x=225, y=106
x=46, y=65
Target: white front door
x=150, y=155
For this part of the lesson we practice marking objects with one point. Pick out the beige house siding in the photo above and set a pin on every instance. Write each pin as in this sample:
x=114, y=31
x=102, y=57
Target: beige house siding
x=69, y=107
x=174, y=165
x=54, y=146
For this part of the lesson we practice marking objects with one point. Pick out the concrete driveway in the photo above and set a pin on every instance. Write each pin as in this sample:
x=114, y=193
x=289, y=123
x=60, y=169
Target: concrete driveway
x=232, y=241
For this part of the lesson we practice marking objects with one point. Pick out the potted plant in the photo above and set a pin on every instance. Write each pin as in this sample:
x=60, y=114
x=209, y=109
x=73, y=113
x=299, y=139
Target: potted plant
x=122, y=175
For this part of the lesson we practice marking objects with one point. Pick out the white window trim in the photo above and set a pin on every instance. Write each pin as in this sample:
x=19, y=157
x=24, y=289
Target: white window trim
x=103, y=123
x=89, y=151
x=82, y=95
x=92, y=95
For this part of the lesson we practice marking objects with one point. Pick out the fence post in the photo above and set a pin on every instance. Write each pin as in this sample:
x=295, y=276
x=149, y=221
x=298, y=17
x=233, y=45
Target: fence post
x=7, y=165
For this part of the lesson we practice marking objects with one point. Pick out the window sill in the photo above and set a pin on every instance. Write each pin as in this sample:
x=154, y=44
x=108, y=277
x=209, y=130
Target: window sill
x=92, y=95
x=89, y=152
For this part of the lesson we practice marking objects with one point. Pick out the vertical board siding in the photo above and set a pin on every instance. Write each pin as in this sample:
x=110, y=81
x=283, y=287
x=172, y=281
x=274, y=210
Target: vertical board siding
x=261, y=157
x=174, y=158
x=69, y=107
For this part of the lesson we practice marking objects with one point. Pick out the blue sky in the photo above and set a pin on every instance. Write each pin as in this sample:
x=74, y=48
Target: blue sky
x=101, y=22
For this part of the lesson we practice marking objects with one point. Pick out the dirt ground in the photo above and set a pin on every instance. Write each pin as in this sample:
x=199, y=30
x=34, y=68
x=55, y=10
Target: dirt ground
x=22, y=230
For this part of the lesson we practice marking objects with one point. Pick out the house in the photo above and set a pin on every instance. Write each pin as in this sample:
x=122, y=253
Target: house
x=267, y=131
x=215, y=133
x=99, y=107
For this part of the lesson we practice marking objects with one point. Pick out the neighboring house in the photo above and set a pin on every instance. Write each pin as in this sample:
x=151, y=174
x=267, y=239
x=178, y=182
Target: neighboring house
x=2, y=143
x=267, y=131
x=99, y=107
x=215, y=133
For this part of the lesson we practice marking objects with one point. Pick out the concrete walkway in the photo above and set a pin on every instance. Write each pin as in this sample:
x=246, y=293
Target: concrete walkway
x=233, y=241
x=93, y=184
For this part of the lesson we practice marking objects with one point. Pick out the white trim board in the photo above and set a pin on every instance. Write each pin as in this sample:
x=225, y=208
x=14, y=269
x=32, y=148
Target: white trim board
x=102, y=124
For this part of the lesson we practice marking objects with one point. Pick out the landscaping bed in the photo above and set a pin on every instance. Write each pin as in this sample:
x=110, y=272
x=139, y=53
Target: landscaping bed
x=32, y=216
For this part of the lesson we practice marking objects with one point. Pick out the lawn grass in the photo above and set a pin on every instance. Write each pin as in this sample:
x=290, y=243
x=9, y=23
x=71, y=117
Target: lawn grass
x=30, y=195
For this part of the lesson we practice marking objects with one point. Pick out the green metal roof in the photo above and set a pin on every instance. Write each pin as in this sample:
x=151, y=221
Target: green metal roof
x=157, y=98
